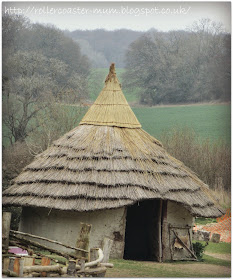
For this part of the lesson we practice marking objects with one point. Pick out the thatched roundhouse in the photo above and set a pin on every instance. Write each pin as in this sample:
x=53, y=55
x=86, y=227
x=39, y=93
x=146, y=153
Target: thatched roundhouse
x=112, y=174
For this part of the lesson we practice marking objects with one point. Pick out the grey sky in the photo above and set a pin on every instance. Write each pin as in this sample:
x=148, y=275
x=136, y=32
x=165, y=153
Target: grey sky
x=115, y=15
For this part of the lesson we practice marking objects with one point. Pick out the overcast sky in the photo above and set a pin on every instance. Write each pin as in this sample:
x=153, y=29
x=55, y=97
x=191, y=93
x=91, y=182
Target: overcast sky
x=115, y=15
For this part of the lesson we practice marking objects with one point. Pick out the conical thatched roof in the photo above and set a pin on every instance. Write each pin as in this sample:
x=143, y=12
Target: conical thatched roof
x=107, y=162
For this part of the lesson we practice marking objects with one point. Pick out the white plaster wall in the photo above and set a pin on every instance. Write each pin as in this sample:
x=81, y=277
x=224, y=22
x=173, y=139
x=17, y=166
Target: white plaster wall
x=177, y=215
x=64, y=226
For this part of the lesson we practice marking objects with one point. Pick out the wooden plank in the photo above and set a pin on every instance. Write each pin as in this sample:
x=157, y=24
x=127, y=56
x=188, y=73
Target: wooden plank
x=11, y=264
x=16, y=266
x=17, y=244
x=83, y=241
x=44, y=262
x=93, y=254
x=49, y=240
x=170, y=243
x=6, y=223
x=82, y=265
x=9, y=273
x=6, y=262
x=184, y=245
x=190, y=239
x=52, y=258
x=40, y=268
x=179, y=227
x=160, y=230
x=107, y=246
x=29, y=261
x=165, y=236
x=21, y=266
x=36, y=244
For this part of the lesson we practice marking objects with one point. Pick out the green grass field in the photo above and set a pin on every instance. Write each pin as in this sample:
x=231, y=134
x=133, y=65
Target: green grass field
x=211, y=122
x=210, y=266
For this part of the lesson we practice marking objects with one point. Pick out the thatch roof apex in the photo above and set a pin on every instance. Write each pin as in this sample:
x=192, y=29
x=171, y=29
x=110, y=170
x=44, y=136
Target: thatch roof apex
x=111, y=107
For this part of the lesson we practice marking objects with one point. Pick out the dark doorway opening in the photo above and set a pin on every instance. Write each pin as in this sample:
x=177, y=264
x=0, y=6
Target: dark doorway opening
x=142, y=231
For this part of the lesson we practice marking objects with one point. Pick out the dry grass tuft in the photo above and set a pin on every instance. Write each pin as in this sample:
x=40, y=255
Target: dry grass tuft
x=210, y=161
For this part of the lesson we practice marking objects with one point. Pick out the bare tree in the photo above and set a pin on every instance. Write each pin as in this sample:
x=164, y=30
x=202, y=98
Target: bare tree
x=32, y=77
x=180, y=66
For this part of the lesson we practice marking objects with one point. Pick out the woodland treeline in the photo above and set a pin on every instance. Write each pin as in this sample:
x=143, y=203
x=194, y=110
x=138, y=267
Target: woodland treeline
x=41, y=66
x=104, y=47
x=173, y=67
x=181, y=66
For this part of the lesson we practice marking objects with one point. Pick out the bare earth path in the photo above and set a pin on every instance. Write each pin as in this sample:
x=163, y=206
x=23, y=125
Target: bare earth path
x=226, y=257
x=153, y=269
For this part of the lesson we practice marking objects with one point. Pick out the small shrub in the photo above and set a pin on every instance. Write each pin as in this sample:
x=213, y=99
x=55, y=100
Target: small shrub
x=199, y=249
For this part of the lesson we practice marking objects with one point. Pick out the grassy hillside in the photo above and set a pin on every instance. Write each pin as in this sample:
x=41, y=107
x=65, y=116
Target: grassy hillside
x=208, y=121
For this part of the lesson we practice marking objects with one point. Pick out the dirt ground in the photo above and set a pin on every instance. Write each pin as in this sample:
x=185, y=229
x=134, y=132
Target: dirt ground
x=189, y=269
x=226, y=257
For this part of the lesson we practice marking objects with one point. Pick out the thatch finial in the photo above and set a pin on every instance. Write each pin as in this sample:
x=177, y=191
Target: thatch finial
x=111, y=74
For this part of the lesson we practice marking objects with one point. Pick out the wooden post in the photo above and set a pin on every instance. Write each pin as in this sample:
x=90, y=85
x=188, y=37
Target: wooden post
x=82, y=265
x=107, y=246
x=17, y=233
x=6, y=262
x=44, y=262
x=93, y=254
x=36, y=244
x=83, y=240
x=6, y=223
x=21, y=265
x=16, y=266
x=11, y=264
x=160, y=229
x=71, y=270
x=165, y=236
x=29, y=261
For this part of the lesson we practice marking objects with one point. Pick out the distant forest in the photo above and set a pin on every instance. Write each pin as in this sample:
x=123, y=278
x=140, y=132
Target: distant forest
x=166, y=67
x=104, y=47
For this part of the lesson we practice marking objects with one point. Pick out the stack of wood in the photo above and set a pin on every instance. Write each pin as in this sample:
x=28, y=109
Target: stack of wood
x=82, y=263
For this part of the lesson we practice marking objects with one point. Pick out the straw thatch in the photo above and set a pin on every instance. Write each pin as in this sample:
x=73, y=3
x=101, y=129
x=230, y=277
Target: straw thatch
x=108, y=162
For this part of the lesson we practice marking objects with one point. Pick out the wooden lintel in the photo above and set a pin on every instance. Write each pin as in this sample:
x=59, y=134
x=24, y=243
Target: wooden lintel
x=179, y=227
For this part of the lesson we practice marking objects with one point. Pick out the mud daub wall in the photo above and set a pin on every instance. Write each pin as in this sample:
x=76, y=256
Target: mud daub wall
x=64, y=226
